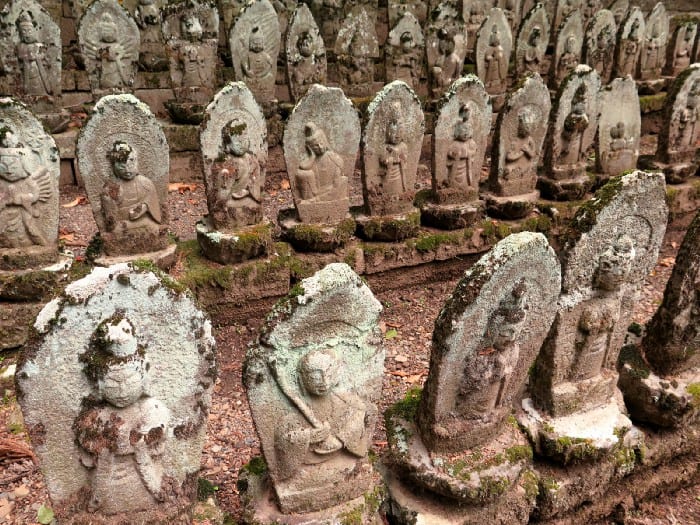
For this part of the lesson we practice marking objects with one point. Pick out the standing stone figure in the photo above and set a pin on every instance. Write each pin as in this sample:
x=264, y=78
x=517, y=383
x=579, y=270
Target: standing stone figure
x=531, y=43
x=462, y=171
x=599, y=46
x=494, y=44
x=405, y=50
x=356, y=47
x=305, y=53
x=116, y=398
x=629, y=43
x=32, y=57
x=567, y=51
x=575, y=124
x=680, y=52
x=149, y=19
x=619, y=128
x=652, y=58
x=393, y=160
x=496, y=64
x=109, y=40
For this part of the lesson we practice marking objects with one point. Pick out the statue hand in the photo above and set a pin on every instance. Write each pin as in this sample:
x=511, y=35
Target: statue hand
x=321, y=433
x=137, y=211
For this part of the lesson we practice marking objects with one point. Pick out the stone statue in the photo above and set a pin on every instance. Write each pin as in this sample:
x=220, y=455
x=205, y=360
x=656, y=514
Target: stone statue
x=258, y=65
x=190, y=61
x=23, y=194
x=653, y=55
x=630, y=50
x=567, y=50
x=393, y=159
x=130, y=202
x=320, y=176
x=235, y=187
x=534, y=56
x=306, y=54
x=463, y=172
x=599, y=46
x=356, y=47
x=31, y=54
x=621, y=155
x=569, y=59
x=689, y=120
x=531, y=42
x=575, y=124
x=496, y=73
x=122, y=432
x=404, y=50
x=522, y=152
x=148, y=17
x=681, y=50
x=448, y=66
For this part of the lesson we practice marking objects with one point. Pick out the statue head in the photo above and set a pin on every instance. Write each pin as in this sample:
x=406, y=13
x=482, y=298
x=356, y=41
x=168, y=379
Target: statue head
x=190, y=27
x=506, y=322
x=535, y=35
x=393, y=127
x=463, y=129
x=316, y=140
x=305, y=44
x=256, y=40
x=446, y=42
x=115, y=362
x=318, y=370
x=527, y=118
x=26, y=27
x=149, y=12
x=495, y=36
x=406, y=41
x=570, y=44
x=124, y=160
x=615, y=264
x=107, y=29
x=11, y=156
x=235, y=139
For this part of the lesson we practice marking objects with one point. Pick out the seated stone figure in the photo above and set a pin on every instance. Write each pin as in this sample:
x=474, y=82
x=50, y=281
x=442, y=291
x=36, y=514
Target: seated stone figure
x=534, y=55
x=122, y=432
x=320, y=176
x=21, y=194
x=448, y=66
x=130, y=203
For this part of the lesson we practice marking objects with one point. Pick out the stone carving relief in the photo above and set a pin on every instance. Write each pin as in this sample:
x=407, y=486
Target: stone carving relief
x=567, y=51
x=391, y=146
x=305, y=53
x=531, y=44
x=653, y=55
x=446, y=48
x=619, y=9
x=148, y=17
x=30, y=53
x=109, y=41
x=494, y=44
x=255, y=44
x=321, y=140
x=630, y=36
x=123, y=155
x=397, y=9
x=329, y=14
x=599, y=45
x=405, y=49
x=619, y=128
x=356, y=48
x=29, y=172
x=680, y=51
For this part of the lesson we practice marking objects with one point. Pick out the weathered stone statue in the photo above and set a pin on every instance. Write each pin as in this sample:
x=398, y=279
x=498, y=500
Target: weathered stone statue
x=567, y=51
x=30, y=54
x=405, y=49
x=619, y=128
x=494, y=44
x=479, y=362
x=571, y=134
x=448, y=64
x=391, y=146
x=532, y=40
x=614, y=243
x=123, y=155
x=119, y=425
x=459, y=144
x=397, y=9
x=620, y=9
x=305, y=53
x=516, y=149
x=512, y=10
x=474, y=14
x=255, y=41
x=680, y=51
x=148, y=17
x=629, y=43
x=446, y=47
x=356, y=48
x=599, y=45
x=28, y=190
x=109, y=41
x=314, y=403
x=652, y=58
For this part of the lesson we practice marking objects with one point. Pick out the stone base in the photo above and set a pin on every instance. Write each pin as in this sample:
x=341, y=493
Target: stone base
x=164, y=258
x=662, y=401
x=15, y=322
x=185, y=112
x=231, y=248
x=35, y=284
x=451, y=216
x=388, y=228
x=309, y=237
x=515, y=207
x=259, y=506
x=675, y=173
x=26, y=258
x=583, y=436
x=653, y=86
x=570, y=189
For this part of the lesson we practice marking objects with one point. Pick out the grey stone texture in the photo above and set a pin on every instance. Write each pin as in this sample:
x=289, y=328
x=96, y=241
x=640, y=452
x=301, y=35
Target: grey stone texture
x=513, y=11
x=494, y=44
x=305, y=53
x=630, y=40
x=109, y=41
x=567, y=48
x=391, y=146
x=397, y=8
x=619, y=9
x=123, y=159
x=255, y=41
x=680, y=50
x=405, y=51
x=147, y=15
x=652, y=58
x=563, y=9
x=613, y=244
x=29, y=173
x=313, y=380
x=321, y=141
x=531, y=43
x=445, y=47
x=356, y=48
x=30, y=54
x=599, y=44
x=115, y=389
x=619, y=127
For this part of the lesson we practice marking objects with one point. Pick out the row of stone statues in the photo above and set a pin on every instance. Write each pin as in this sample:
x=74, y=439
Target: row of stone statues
x=184, y=37
x=117, y=410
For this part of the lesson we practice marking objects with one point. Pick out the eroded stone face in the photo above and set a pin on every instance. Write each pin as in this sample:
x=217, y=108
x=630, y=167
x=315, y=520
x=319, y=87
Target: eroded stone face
x=191, y=30
x=445, y=47
x=255, y=41
x=532, y=40
x=680, y=51
x=567, y=50
x=313, y=380
x=30, y=53
x=619, y=127
x=29, y=173
x=520, y=132
x=481, y=352
x=123, y=155
x=630, y=36
x=459, y=141
x=116, y=396
x=494, y=44
x=234, y=152
x=405, y=49
x=321, y=140
x=599, y=45
x=391, y=147
x=356, y=48
x=305, y=53
x=652, y=57
x=615, y=242
x=109, y=41
x=147, y=14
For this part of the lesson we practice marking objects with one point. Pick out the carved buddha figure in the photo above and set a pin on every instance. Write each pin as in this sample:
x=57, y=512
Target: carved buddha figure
x=653, y=51
x=320, y=176
x=31, y=55
x=534, y=54
x=684, y=50
x=620, y=156
x=462, y=171
x=521, y=151
x=406, y=60
x=688, y=120
x=496, y=64
x=192, y=62
x=258, y=67
x=601, y=56
x=112, y=70
x=630, y=50
x=393, y=160
x=358, y=67
x=308, y=67
x=448, y=66
x=574, y=127
x=569, y=58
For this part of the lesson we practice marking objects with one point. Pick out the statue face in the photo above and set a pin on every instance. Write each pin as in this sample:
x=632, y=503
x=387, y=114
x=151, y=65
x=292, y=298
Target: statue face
x=191, y=28
x=126, y=169
x=446, y=46
x=255, y=44
x=108, y=31
x=393, y=133
x=305, y=45
x=123, y=384
x=525, y=121
x=316, y=145
x=614, y=265
x=236, y=145
x=27, y=32
x=11, y=168
x=463, y=131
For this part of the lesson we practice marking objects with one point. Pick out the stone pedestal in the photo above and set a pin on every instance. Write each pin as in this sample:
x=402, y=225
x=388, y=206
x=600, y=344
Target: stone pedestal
x=185, y=112
x=163, y=259
x=388, y=227
x=231, y=248
x=314, y=237
x=513, y=207
x=566, y=189
x=451, y=216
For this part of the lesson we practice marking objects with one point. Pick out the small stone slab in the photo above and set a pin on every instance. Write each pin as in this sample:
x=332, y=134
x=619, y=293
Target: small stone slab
x=305, y=53
x=356, y=48
x=122, y=361
x=109, y=41
x=680, y=51
x=129, y=209
x=567, y=50
x=494, y=44
x=619, y=128
x=630, y=35
x=163, y=259
x=405, y=51
x=531, y=43
x=652, y=59
x=29, y=174
x=313, y=380
x=599, y=44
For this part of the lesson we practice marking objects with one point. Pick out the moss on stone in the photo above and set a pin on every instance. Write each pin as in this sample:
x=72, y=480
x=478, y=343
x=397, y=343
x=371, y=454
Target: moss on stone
x=352, y=517
x=205, y=489
x=407, y=407
x=519, y=453
x=430, y=242
x=694, y=390
x=651, y=103
x=541, y=224
x=630, y=355
x=256, y=466
x=531, y=484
